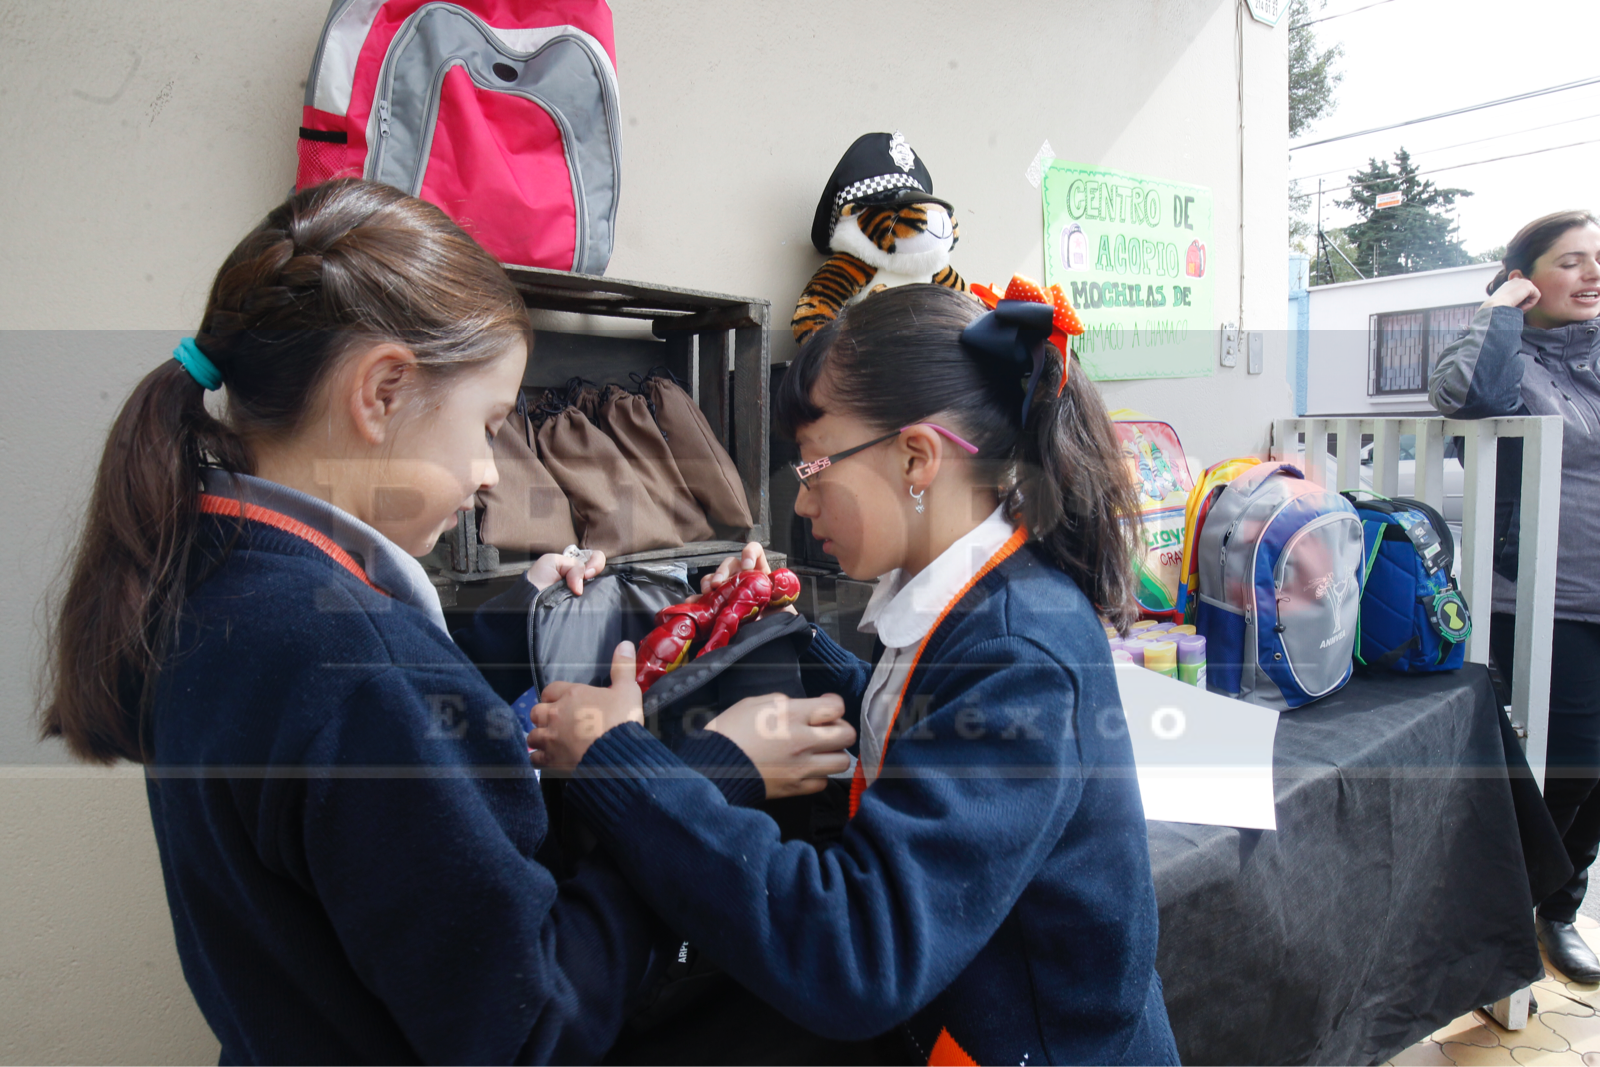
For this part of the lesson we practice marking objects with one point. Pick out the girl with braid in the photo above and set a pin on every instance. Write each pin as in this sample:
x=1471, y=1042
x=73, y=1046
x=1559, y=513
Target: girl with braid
x=347, y=821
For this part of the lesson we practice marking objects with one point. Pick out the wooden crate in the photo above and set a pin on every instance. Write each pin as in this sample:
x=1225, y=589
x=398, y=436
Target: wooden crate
x=716, y=343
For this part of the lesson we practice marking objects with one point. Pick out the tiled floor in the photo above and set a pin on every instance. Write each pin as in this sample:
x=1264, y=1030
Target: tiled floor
x=1566, y=1030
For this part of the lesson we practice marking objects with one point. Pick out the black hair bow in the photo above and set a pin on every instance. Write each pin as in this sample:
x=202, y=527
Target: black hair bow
x=1010, y=342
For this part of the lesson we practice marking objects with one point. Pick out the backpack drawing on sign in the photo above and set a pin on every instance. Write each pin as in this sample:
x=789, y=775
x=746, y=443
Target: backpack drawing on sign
x=1201, y=498
x=501, y=112
x=1413, y=617
x=1161, y=472
x=1280, y=588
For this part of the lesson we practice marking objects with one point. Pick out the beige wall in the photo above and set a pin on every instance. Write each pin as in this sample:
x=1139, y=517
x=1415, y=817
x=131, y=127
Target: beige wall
x=143, y=139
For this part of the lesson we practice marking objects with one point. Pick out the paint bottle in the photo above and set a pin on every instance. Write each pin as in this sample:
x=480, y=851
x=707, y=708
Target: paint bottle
x=1192, y=660
x=1182, y=631
x=1161, y=657
x=1138, y=628
x=1134, y=650
x=1111, y=632
x=1158, y=628
x=1119, y=655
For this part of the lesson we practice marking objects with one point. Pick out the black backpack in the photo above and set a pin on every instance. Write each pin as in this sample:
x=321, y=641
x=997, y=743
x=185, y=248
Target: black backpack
x=695, y=1013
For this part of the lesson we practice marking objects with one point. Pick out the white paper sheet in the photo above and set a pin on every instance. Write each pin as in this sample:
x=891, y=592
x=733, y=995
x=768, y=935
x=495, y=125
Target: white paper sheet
x=1202, y=758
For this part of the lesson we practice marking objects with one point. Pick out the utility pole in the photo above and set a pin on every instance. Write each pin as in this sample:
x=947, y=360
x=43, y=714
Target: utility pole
x=1323, y=244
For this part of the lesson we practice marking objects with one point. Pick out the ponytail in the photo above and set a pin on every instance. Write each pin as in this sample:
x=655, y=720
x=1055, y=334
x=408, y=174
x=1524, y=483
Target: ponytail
x=344, y=263
x=126, y=583
x=1073, y=491
x=896, y=358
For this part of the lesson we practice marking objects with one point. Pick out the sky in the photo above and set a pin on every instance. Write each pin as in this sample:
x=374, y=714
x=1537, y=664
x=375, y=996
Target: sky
x=1407, y=59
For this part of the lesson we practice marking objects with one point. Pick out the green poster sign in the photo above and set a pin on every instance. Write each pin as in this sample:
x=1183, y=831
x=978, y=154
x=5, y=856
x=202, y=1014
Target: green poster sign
x=1130, y=253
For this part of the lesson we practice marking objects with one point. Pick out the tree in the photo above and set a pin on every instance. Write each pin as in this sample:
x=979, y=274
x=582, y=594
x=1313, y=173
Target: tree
x=1493, y=255
x=1312, y=81
x=1299, y=225
x=1418, y=234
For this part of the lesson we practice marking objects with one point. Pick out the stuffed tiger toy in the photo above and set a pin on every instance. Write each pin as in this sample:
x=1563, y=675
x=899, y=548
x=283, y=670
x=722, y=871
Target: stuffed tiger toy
x=875, y=247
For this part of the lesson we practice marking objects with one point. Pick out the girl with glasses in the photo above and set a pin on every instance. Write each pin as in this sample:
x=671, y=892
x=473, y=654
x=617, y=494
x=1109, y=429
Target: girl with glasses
x=990, y=900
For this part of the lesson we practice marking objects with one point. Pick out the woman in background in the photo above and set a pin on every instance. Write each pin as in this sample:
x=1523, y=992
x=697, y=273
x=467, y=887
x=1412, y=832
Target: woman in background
x=1531, y=350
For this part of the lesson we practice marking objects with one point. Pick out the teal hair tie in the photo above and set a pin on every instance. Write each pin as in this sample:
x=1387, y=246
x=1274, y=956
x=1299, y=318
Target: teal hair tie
x=195, y=362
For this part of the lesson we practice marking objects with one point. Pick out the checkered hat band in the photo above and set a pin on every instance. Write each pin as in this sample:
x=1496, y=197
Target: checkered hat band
x=882, y=183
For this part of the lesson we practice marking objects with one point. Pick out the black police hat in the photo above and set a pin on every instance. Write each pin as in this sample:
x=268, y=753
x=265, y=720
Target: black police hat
x=879, y=168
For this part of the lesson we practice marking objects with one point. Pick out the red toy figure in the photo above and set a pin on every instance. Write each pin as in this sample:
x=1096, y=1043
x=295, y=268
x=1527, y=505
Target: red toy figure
x=715, y=618
x=750, y=592
x=665, y=649
x=785, y=588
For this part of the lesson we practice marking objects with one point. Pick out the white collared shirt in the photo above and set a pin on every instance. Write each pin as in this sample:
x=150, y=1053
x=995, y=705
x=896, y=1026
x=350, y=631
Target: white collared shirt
x=902, y=612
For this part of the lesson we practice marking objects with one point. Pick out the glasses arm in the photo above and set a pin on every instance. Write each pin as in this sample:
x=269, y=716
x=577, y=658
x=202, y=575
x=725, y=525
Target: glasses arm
x=972, y=449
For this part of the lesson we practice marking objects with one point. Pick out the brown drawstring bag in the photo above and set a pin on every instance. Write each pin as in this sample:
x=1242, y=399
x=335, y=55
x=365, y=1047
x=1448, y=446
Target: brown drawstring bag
x=614, y=511
x=526, y=511
x=626, y=418
x=584, y=395
x=706, y=467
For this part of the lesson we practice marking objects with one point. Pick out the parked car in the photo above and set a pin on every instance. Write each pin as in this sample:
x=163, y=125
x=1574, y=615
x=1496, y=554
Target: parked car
x=1455, y=476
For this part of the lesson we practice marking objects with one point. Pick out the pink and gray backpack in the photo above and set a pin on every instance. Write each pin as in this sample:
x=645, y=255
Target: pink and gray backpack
x=501, y=112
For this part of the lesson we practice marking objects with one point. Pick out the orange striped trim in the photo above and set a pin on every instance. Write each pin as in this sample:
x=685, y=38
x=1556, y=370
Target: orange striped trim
x=948, y=1053
x=211, y=504
x=858, y=781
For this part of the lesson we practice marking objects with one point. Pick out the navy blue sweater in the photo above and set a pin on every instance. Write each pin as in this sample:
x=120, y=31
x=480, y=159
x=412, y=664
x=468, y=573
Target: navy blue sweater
x=994, y=889
x=348, y=827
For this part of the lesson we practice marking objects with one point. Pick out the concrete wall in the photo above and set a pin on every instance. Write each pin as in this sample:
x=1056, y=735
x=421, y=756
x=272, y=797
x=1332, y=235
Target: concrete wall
x=137, y=162
x=1338, y=351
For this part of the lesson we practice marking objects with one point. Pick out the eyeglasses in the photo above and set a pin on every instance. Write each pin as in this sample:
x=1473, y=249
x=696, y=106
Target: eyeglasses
x=806, y=471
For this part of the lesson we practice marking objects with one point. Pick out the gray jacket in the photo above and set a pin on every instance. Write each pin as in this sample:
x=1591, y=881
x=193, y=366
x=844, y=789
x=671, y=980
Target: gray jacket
x=1501, y=367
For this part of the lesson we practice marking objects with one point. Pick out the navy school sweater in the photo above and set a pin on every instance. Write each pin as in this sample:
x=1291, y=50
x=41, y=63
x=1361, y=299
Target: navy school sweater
x=348, y=829
x=993, y=894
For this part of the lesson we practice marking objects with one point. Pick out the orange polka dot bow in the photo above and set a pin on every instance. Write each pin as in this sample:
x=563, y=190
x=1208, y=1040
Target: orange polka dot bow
x=1064, y=320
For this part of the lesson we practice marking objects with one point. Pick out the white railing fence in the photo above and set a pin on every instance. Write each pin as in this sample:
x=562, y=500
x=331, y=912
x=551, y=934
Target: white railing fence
x=1301, y=441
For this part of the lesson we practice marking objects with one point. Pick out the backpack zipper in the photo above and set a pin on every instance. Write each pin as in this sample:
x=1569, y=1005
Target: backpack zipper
x=377, y=145
x=1277, y=582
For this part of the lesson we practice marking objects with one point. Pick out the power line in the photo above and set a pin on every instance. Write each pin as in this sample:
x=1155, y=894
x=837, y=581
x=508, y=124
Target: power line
x=1448, y=114
x=1340, y=15
x=1458, y=144
x=1474, y=163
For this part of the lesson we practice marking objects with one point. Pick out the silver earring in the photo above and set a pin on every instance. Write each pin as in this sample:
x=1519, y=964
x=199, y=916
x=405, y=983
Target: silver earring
x=921, y=507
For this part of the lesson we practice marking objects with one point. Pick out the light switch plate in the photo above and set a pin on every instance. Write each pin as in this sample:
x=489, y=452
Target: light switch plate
x=1256, y=360
x=1230, y=345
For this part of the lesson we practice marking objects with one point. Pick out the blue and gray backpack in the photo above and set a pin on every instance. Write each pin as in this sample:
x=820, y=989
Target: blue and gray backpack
x=1413, y=617
x=1280, y=588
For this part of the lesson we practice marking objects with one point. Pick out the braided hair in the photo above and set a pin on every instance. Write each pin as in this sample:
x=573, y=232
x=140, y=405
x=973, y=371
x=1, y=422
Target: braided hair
x=343, y=265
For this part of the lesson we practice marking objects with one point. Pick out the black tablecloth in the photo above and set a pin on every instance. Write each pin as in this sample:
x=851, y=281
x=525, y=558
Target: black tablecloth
x=1395, y=894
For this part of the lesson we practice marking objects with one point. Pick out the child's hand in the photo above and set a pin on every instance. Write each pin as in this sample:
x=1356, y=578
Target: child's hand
x=754, y=557
x=795, y=744
x=570, y=717
x=553, y=567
